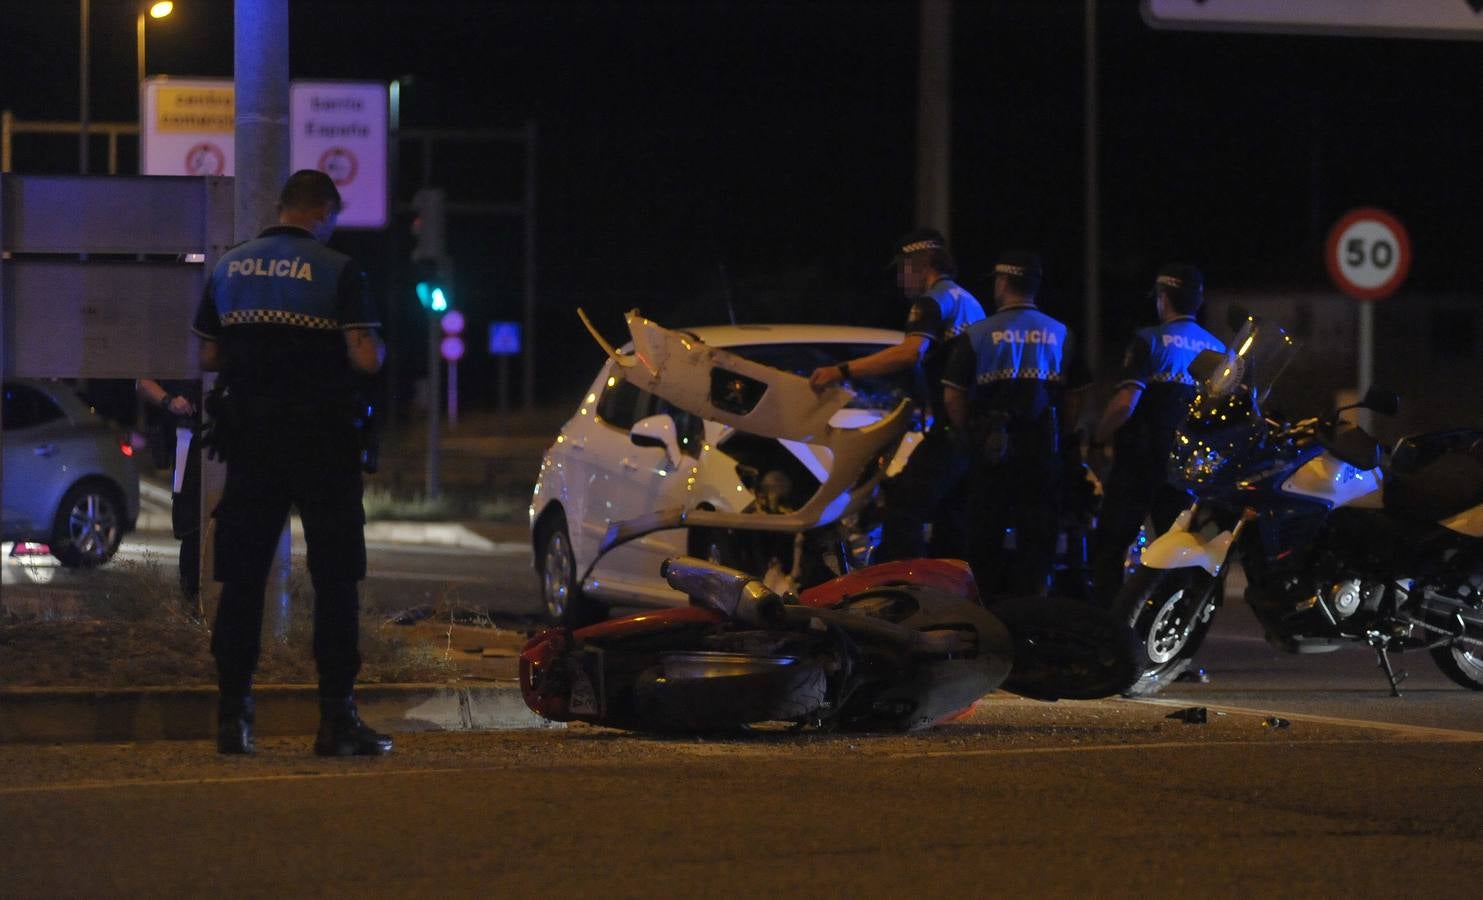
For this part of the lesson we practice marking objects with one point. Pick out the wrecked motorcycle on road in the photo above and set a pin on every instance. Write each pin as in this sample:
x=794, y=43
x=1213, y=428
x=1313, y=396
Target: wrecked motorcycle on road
x=894, y=646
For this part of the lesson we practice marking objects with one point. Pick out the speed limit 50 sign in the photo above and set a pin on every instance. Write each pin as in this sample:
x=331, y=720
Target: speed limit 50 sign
x=1368, y=254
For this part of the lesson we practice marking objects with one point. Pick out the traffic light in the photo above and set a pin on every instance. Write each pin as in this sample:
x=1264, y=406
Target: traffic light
x=433, y=291
x=428, y=226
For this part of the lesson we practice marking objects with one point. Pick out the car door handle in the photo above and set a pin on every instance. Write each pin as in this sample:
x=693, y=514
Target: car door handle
x=629, y=464
x=45, y=450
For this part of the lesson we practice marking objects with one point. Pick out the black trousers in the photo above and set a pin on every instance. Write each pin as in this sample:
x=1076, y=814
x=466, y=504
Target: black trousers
x=1135, y=490
x=315, y=467
x=928, y=489
x=1021, y=493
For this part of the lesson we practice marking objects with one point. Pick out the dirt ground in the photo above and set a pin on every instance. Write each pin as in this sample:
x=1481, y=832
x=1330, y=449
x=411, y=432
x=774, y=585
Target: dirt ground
x=113, y=653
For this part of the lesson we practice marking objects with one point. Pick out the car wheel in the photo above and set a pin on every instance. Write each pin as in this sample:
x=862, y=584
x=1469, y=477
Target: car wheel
x=89, y=525
x=557, y=566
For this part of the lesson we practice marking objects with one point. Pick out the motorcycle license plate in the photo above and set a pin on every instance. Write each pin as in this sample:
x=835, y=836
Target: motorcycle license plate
x=586, y=696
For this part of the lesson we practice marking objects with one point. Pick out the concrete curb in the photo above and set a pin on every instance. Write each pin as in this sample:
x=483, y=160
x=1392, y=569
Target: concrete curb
x=71, y=715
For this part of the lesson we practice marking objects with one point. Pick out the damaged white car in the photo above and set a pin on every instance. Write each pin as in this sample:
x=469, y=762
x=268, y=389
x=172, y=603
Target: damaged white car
x=710, y=442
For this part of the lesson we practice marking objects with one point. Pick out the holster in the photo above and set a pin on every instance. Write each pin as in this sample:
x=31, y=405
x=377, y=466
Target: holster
x=990, y=435
x=224, y=423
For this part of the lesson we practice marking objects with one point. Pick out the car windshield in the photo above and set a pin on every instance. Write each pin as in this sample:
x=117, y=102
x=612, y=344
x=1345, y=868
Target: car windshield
x=880, y=392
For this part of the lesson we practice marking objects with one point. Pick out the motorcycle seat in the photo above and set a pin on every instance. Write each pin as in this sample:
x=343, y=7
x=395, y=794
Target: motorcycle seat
x=1415, y=451
x=1445, y=485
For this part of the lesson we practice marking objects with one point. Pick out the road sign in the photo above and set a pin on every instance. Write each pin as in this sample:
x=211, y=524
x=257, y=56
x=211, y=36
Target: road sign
x=504, y=338
x=1450, y=19
x=1368, y=253
x=340, y=128
x=187, y=126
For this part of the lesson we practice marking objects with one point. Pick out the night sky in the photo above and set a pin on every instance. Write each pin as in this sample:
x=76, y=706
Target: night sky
x=692, y=151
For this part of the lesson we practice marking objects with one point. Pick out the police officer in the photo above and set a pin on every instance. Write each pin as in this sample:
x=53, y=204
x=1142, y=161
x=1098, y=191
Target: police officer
x=287, y=322
x=174, y=443
x=1013, y=384
x=940, y=311
x=1150, y=401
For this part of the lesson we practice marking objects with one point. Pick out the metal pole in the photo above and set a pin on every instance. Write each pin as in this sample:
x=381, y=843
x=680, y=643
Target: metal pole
x=261, y=71
x=528, y=380
x=1092, y=201
x=452, y=395
x=82, y=94
x=139, y=49
x=934, y=115
x=1366, y=360
x=433, y=488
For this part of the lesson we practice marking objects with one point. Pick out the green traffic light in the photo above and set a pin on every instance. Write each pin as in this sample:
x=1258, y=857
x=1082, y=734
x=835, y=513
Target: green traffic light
x=432, y=296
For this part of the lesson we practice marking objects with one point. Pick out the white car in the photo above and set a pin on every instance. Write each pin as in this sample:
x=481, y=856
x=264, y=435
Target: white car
x=70, y=480
x=630, y=465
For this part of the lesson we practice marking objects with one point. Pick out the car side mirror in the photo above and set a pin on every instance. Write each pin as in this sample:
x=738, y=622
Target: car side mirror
x=657, y=431
x=1382, y=401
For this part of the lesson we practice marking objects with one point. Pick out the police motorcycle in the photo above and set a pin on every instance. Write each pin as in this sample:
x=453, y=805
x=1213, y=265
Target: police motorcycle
x=1336, y=547
x=892, y=646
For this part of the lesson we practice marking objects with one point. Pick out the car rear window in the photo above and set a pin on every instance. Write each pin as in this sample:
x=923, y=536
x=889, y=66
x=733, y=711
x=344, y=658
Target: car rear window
x=26, y=407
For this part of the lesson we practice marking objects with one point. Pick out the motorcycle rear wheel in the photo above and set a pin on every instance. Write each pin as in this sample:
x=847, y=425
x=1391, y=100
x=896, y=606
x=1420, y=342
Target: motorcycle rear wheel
x=707, y=690
x=1170, y=612
x=1461, y=664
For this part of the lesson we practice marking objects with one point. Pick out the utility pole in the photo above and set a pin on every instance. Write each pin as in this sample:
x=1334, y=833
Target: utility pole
x=934, y=115
x=1092, y=201
x=261, y=73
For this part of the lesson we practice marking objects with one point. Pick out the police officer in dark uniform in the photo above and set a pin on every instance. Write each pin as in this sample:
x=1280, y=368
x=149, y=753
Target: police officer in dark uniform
x=1013, y=384
x=288, y=322
x=941, y=310
x=1150, y=401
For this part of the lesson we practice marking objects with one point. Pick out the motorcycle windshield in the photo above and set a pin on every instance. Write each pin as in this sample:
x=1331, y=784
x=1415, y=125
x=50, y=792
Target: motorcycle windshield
x=1259, y=353
x=1225, y=422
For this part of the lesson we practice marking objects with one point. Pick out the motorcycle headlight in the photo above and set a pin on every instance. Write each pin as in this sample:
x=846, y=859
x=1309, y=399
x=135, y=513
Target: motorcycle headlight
x=1202, y=465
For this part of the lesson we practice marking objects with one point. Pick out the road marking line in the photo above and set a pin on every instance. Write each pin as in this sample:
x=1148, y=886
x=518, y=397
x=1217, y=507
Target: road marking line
x=1424, y=731
x=429, y=576
x=1158, y=745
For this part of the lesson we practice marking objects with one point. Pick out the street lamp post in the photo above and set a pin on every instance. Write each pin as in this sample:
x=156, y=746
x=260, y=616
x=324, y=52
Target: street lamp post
x=156, y=11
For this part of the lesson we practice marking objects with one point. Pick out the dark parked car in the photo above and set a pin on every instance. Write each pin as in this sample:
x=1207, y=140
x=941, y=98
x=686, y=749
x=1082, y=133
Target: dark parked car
x=69, y=478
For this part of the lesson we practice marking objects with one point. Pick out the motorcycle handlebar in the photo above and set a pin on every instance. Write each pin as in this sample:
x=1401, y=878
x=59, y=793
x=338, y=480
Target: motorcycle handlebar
x=731, y=592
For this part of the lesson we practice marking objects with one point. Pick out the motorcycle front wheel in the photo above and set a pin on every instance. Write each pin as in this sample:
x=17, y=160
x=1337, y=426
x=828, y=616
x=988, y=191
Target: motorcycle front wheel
x=1461, y=663
x=1170, y=612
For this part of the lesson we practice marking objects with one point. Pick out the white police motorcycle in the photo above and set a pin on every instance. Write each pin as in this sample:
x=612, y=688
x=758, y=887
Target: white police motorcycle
x=1336, y=547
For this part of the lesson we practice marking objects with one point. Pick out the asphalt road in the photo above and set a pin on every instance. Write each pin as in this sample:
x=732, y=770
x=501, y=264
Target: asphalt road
x=1353, y=791
x=1104, y=798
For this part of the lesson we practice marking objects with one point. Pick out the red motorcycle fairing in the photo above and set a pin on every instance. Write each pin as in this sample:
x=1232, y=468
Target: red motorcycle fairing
x=545, y=675
x=951, y=576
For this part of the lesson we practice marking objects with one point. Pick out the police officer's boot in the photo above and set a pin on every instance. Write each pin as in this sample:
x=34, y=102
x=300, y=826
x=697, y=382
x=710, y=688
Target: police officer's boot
x=234, y=718
x=342, y=733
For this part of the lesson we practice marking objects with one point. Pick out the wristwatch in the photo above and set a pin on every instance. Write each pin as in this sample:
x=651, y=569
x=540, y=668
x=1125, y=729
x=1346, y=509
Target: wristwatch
x=844, y=371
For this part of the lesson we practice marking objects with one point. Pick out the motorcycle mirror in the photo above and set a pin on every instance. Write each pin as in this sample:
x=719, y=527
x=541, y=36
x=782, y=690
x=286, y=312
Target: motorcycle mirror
x=1205, y=364
x=1382, y=401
